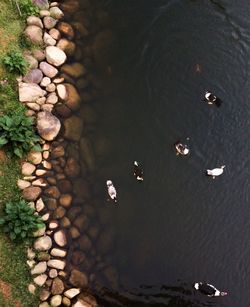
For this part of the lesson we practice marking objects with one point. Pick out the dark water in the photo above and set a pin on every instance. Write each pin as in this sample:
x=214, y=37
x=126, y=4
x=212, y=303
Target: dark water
x=179, y=226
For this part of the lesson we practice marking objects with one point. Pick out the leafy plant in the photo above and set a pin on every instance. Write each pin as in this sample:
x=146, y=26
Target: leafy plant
x=17, y=133
x=27, y=8
x=15, y=62
x=19, y=220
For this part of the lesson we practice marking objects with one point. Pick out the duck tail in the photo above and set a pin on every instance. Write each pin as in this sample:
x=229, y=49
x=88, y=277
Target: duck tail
x=209, y=172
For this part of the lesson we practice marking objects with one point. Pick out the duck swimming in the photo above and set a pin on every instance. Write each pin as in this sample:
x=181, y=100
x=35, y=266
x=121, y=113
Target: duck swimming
x=138, y=171
x=208, y=290
x=210, y=98
x=181, y=149
x=216, y=171
x=111, y=190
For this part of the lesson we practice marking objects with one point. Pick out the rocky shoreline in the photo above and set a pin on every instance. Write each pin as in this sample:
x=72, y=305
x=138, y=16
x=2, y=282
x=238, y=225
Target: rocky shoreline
x=59, y=91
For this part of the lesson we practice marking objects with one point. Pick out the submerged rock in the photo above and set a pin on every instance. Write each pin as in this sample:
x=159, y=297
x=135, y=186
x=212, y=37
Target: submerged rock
x=75, y=70
x=78, y=279
x=73, y=128
x=73, y=98
x=48, y=125
x=31, y=193
x=87, y=153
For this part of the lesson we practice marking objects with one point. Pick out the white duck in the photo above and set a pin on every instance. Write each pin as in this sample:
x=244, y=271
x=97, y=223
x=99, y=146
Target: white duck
x=216, y=171
x=111, y=190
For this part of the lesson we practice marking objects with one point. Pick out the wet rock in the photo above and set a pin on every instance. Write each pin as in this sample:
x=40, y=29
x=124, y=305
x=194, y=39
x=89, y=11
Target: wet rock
x=42, y=4
x=81, y=30
x=65, y=222
x=33, y=76
x=57, y=286
x=81, y=190
x=34, y=34
x=73, y=128
x=74, y=70
x=29, y=92
x=70, y=6
x=65, y=200
x=88, y=114
x=39, y=54
x=40, y=268
x=64, y=186
x=58, y=151
x=66, y=301
x=67, y=46
x=56, y=13
x=72, y=292
x=74, y=232
x=105, y=241
x=73, y=213
x=85, y=243
x=56, y=300
x=54, y=33
x=59, y=213
x=73, y=97
x=56, y=264
x=63, y=111
x=36, y=21
x=87, y=300
x=78, y=257
x=72, y=168
x=31, y=193
x=49, y=22
x=51, y=203
x=78, y=279
x=60, y=238
x=40, y=280
x=66, y=29
x=52, y=192
x=48, y=125
x=55, y=56
x=49, y=70
x=44, y=295
x=35, y=157
x=102, y=47
x=57, y=252
x=81, y=84
x=88, y=153
x=81, y=222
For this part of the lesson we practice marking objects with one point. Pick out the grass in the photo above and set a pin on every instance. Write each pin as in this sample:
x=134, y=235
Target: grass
x=14, y=273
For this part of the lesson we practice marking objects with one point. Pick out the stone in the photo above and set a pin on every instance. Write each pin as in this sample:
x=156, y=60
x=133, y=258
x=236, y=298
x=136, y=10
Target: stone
x=56, y=13
x=31, y=263
x=39, y=232
x=41, y=100
x=51, y=87
x=44, y=304
x=87, y=300
x=62, y=92
x=44, y=295
x=57, y=252
x=46, y=164
x=44, y=13
x=36, y=21
x=63, y=111
x=56, y=264
x=22, y=184
x=73, y=127
x=65, y=200
x=45, y=81
x=40, y=172
x=78, y=279
x=85, y=243
x=46, y=154
x=74, y=70
x=66, y=29
x=32, y=288
x=88, y=153
x=52, y=191
x=47, y=107
x=32, y=61
x=49, y=22
x=82, y=83
x=59, y=213
x=66, y=301
x=57, y=286
x=67, y=46
x=65, y=222
x=42, y=4
x=40, y=268
x=45, y=217
x=64, y=186
x=55, y=34
x=30, y=253
x=58, y=151
x=55, y=56
x=29, y=92
x=81, y=30
x=49, y=70
x=33, y=106
x=72, y=292
x=70, y=6
x=52, y=98
x=48, y=40
x=35, y=157
x=34, y=34
x=56, y=300
x=81, y=222
x=58, y=80
x=73, y=98
x=39, y=54
x=39, y=205
x=72, y=168
x=53, y=273
x=74, y=232
x=43, y=243
x=53, y=225
x=31, y=193
x=60, y=238
x=48, y=125
x=33, y=76
x=40, y=280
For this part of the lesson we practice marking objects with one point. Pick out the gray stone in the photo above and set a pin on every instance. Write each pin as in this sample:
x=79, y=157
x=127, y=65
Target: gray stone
x=49, y=70
x=34, y=34
x=49, y=22
x=30, y=92
x=36, y=21
x=56, y=13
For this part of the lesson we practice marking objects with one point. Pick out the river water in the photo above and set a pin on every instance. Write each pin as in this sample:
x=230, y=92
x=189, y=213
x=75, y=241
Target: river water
x=178, y=226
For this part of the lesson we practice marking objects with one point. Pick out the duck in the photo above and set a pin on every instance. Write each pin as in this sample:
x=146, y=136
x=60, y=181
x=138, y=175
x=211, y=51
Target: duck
x=181, y=149
x=210, y=98
x=138, y=171
x=208, y=290
x=111, y=190
x=216, y=171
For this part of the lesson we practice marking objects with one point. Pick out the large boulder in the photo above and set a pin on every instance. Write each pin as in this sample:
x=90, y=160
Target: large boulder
x=49, y=22
x=55, y=56
x=48, y=125
x=49, y=70
x=30, y=92
x=34, y=34
x=73, y=128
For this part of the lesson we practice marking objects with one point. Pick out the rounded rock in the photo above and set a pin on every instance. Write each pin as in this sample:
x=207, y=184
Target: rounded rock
x=43, y=243
x=55, y=56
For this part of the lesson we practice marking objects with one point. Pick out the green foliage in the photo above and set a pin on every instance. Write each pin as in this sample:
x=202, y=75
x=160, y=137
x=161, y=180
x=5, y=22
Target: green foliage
x=19, y=220
x=27, y=8
x=16, y=131
x=15, y=62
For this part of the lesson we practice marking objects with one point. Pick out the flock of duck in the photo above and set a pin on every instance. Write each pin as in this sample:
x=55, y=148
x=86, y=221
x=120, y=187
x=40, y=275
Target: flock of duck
x=181, y=149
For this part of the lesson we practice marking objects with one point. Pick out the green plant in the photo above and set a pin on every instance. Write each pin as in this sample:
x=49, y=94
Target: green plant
x=16, y=132
x=27, y=8
x=15, y=62
x=19, y=220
